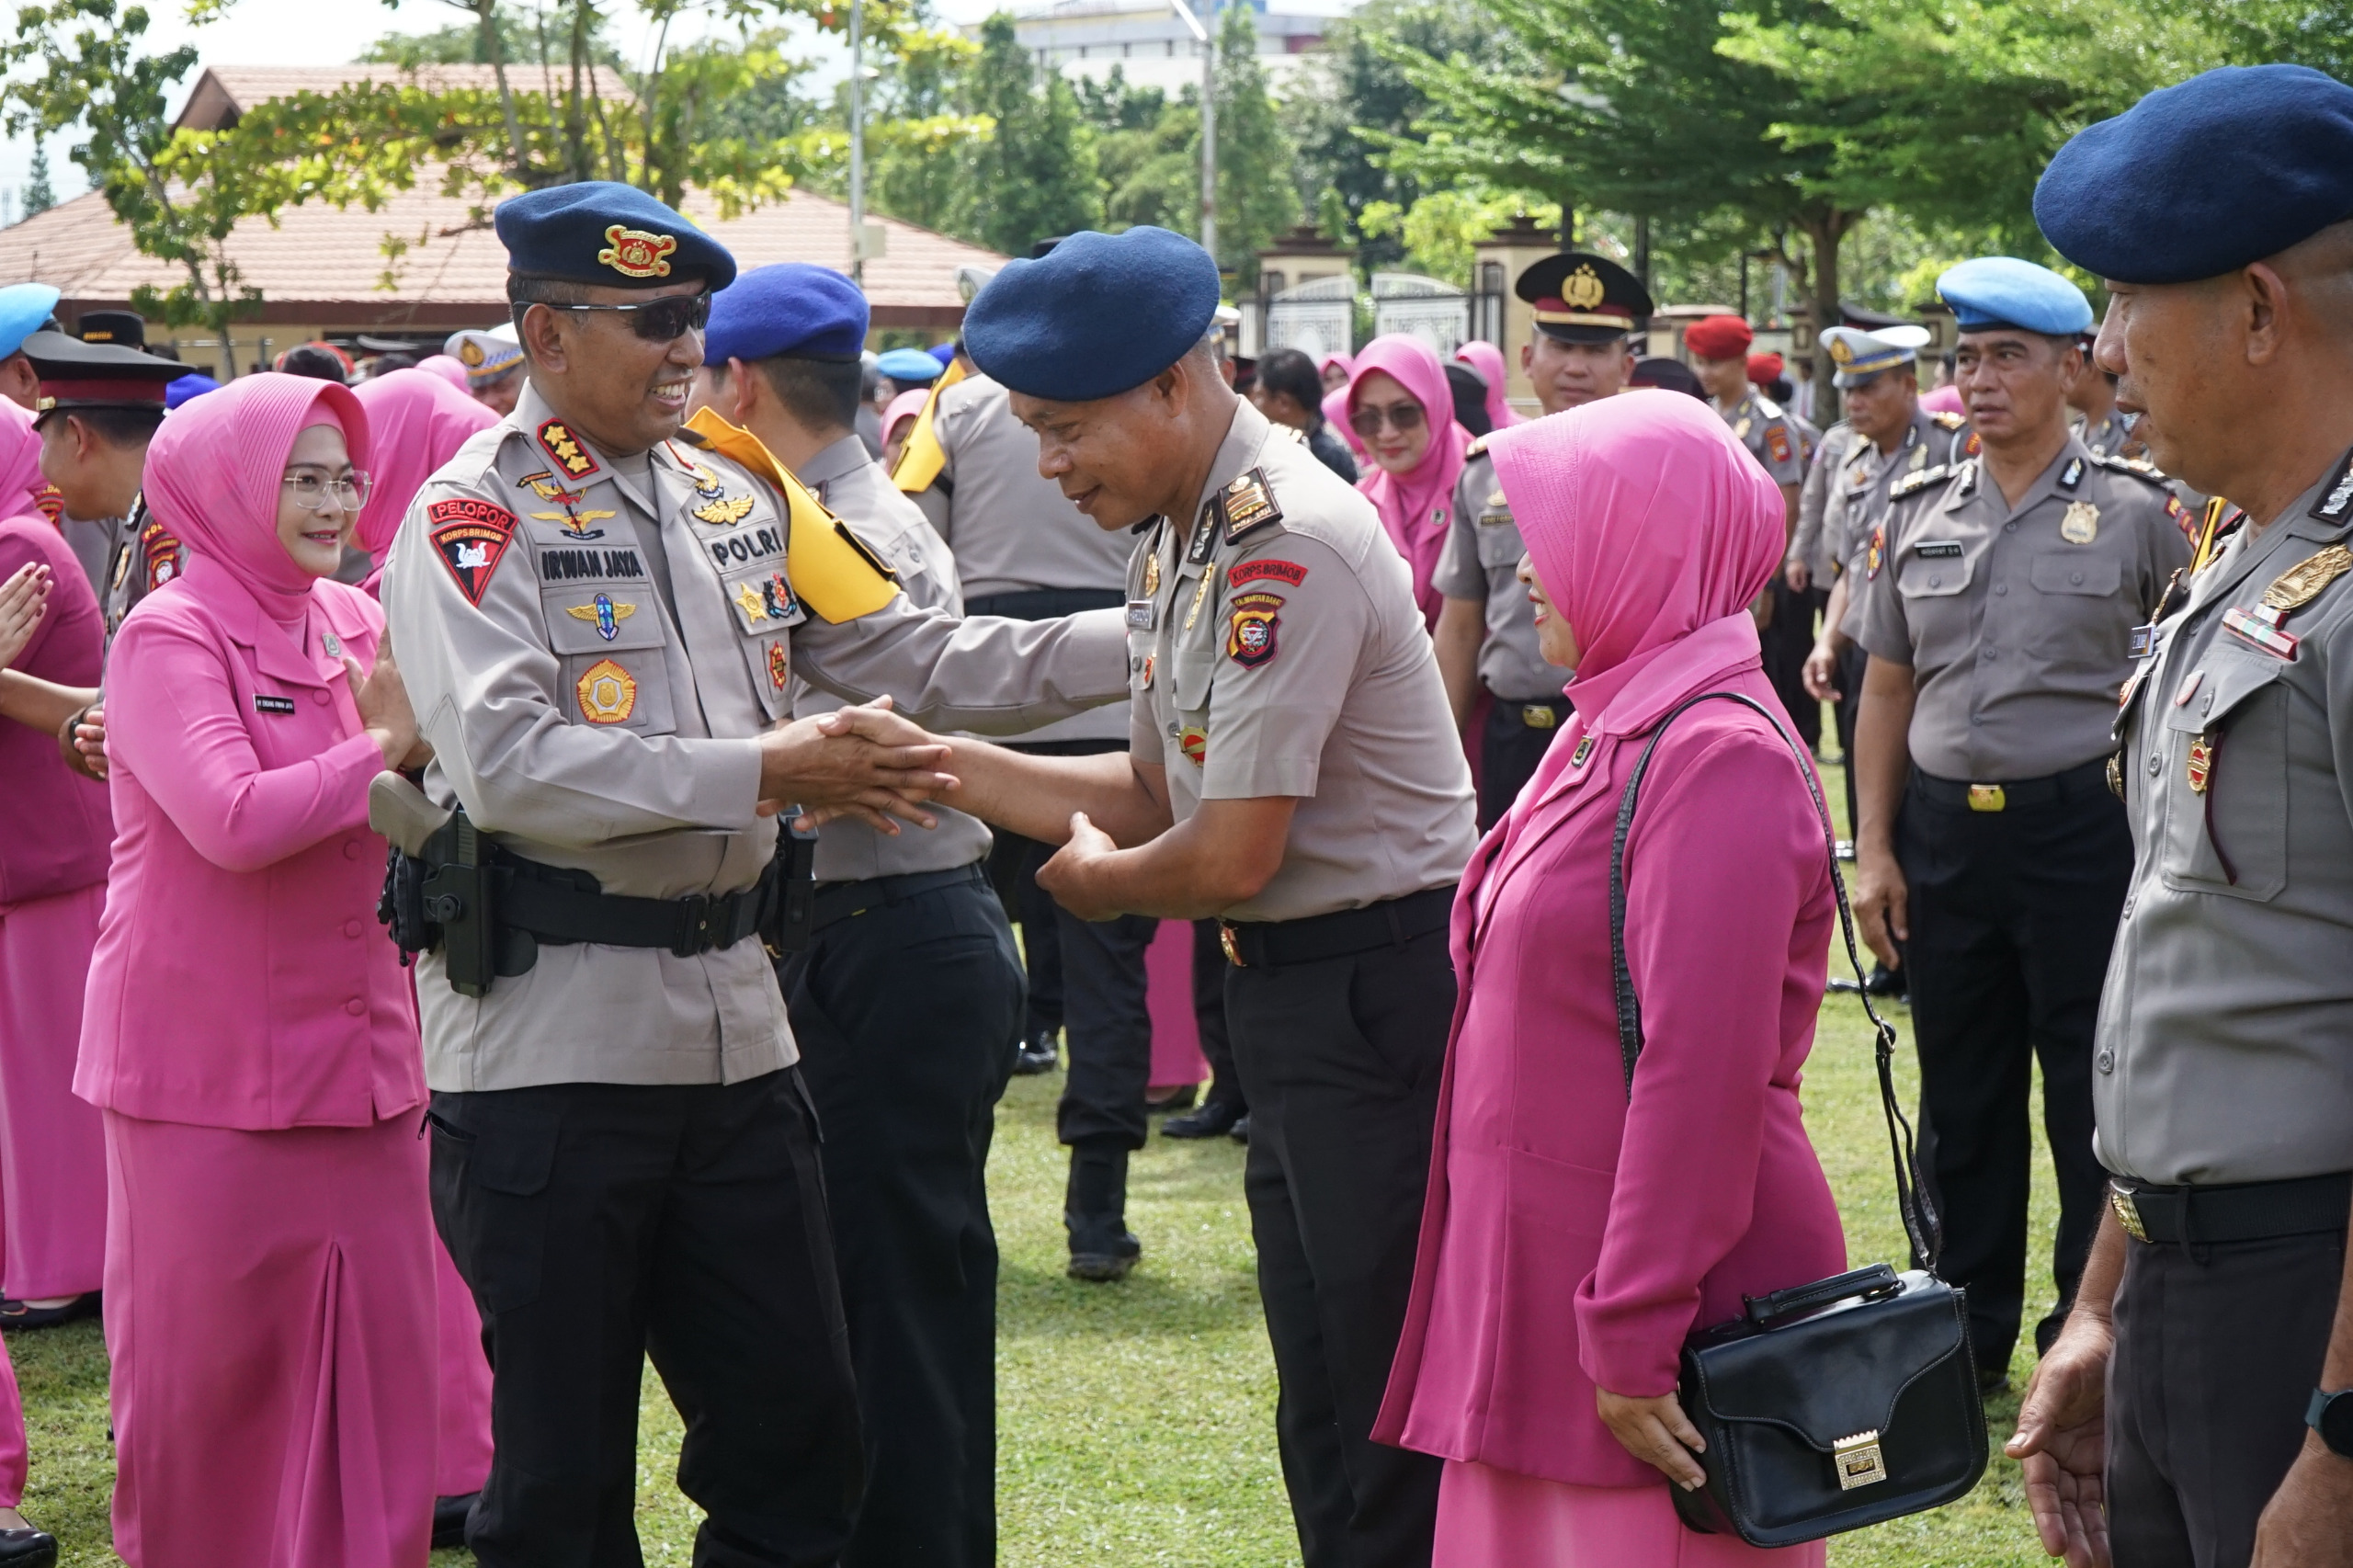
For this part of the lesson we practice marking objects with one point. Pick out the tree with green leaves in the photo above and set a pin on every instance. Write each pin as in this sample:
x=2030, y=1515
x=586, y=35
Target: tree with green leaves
x=1256, y=199
x=40, y=195
x=1035, y=174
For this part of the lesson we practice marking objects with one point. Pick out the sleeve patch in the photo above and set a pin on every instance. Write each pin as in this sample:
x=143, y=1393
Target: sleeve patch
x=1250, y=631
x=1288, y=572
x=161, y=551
x=471, y=536
x=1776, y=441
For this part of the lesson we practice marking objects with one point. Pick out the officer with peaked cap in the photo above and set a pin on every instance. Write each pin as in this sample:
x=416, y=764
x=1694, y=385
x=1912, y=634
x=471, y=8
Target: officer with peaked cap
x=905, y=1076
x=1293, y=770
x=494, y=363
x=2210, y=1352
x=1886, y=437
x=1997, y=603
x=1588, y=310
x=601, y=612
x=1023, y=550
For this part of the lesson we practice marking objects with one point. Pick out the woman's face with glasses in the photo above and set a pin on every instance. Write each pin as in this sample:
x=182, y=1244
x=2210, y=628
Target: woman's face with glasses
x=1391, y=423
x=318, y=500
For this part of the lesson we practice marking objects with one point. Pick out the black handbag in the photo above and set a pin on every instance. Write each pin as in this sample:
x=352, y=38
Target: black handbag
x=1841, y=1403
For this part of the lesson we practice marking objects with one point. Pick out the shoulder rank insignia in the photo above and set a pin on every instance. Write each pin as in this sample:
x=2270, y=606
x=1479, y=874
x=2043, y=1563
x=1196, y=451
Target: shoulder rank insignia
x=724, y=510
x=1947, y=419
x=2336, y=496
x=2303, y=582
x=1917, y=481
x=1477, y=447
x=556, y=439
x=1247, y=504
x=1291, y=433
x=470, y=534
x=2137, y=468
x=2073, y=474
x=606, y=615
x=1768, y=408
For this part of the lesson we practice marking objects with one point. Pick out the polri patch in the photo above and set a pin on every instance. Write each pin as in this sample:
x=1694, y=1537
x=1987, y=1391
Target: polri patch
x=564, y=450
x=280, y=705
x=1243, y=571
x=470, y=534
x=1247, y=504
x=1254, y=620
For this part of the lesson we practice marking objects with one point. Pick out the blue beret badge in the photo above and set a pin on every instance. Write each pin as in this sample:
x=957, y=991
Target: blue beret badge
x=634, y=253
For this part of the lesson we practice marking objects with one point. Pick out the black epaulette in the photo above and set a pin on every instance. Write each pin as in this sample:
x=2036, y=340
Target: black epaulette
x=691, y=436
x=1914, y=482
x=2137, y=468
x=1947, y=419
x=1246, y=505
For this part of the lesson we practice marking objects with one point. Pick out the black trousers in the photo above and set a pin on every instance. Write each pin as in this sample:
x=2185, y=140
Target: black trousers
x=597, y=1224
x=1012, y=865
x=1847, y=676
x=1510, y=748
x=1788, y=638
x=2012, y=913
x=1341, y=1061
x=1107, y=1024
x=2217, y=1350
x=907, y=1076
x=1209, y=1018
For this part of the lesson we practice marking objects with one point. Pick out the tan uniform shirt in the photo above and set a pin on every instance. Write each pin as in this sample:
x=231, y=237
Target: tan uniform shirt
x=1859, y=489
x=593, y=710
x=1806, y=544
x=1010, y=528
x=1283, y=655
x=2017, y=621
x=855, y=489
x=1759, y=424
x=2225, y=1044
x=1482, y=561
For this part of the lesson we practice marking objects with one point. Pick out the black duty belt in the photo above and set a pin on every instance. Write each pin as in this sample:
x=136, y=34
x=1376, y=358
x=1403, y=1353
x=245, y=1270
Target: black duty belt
x=2242, y=1211
x=1393, y=923
x=840, y=900
x=1045, y=604
x=2014, y=794
x=546, y=901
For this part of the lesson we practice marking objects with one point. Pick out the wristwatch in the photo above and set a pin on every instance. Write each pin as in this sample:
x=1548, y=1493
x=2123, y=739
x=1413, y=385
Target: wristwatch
x=2331, y=1415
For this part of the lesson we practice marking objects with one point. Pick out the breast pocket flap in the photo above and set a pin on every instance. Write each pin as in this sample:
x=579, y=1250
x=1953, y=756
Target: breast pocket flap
x=2096, y=575
x=2230, y=684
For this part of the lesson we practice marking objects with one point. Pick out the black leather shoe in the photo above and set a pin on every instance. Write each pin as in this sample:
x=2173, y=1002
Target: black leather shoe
x=27, y=1549
x=14, y=1314
x=449, y=1516
x=1037, y=1055
x=1211, y=1120
x=1183, y=1100
x=1103, y=1267
x=1240, y=1131
x=1885, y=982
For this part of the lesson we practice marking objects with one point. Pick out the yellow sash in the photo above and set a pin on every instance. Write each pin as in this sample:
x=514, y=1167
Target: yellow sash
x=835, y=576
x=922, y=457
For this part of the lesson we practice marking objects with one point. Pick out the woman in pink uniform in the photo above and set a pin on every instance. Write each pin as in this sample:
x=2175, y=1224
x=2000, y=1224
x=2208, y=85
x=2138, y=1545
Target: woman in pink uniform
x=55, y=832
x=250, y=1034
x=1402, y=408
x=417, y=421
x=1488, y=360
x=1571, y=1239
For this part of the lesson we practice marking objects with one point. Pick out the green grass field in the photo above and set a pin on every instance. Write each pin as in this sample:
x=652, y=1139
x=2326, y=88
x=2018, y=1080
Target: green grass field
x=1136, y=1420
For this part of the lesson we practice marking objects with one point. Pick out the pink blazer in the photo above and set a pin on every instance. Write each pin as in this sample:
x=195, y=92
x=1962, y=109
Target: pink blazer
x=1570, y=1238
x=241, y=979
x=53, y=827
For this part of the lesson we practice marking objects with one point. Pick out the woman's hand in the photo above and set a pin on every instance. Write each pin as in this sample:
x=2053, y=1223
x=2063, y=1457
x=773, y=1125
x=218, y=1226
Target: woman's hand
x=24, y=599
x=1656, y=1432
x=82, y=743
x=383, y=706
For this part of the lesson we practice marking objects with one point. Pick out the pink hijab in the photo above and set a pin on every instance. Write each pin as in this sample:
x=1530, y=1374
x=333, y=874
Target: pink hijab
x=1488, y=360
x=213, y=471
x=419, y=421
x=1647, y=521
x=21, y=480
x=1945, y=399
x=1416, y=507
x=442, y=365
x=907, y=406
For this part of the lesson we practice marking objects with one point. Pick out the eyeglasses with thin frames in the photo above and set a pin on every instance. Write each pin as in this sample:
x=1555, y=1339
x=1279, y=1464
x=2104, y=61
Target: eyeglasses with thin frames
x=659, y=321
x=311, y=488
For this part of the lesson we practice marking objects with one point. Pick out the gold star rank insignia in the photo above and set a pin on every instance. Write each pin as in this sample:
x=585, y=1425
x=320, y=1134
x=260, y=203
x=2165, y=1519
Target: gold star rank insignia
x=753, y=603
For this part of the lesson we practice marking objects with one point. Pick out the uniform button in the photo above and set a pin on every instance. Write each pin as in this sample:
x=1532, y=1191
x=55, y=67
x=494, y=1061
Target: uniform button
x=351, y=927
x=1977, y=719
x=1938, y=581
x=2108, y=1061
x=2009, y=528
x=2153, y=765
x=2076, y=579
x=2206, y=707
x=1991, y=654
x=319, y=696
x=354, y=1006
x=2000, y=588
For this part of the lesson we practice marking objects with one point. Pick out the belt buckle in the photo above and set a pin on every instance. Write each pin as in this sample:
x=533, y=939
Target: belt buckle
x=2128, y=1213
x=1987, y=798
x=1233, y=949
x=1537, y=715
x=694, y=926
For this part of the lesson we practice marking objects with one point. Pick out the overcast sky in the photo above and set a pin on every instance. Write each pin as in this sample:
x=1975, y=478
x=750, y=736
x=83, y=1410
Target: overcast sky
x=318, y=32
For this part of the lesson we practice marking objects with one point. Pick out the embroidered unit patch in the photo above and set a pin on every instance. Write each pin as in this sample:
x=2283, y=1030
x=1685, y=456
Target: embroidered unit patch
x=471, y=536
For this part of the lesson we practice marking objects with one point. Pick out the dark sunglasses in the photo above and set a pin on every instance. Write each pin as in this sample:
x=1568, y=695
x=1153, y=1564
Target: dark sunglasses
x=660, y=321
x=1402, y=417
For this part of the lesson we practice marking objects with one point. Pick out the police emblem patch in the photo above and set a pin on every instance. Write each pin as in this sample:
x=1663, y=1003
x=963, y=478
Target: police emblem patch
x=779, y=664
x=162, y=552
x=1877, y=555
x=471, y=536
x=1583, y=289
x=634, y=253
x=556, y=439
x=1250, y=633
x=1776, y=441
x=608, y=693
x=2081, y=525
x=775, y=595
x=470, y=355
x=723, y=511
x=606, y=615
x=1152, y=573
x=332, y=644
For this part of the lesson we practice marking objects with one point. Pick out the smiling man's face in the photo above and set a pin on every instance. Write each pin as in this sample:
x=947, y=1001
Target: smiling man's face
x=625, y=392
x=1115, y=458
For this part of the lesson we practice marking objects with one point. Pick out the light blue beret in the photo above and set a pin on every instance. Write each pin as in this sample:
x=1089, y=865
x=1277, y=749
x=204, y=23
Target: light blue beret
x=909, y=367
x=2001, y=291
x=23, y=308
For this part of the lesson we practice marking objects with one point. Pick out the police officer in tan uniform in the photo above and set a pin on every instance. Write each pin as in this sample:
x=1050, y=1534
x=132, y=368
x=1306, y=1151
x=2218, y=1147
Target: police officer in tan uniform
x=1588, y=309
x=1998, y=602
x=602, y=617
x=1293, y=770
x=2198, y=1408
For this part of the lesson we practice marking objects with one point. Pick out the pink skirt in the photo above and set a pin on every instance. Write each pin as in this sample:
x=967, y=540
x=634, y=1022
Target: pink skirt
x=53, y=1154
x=270, y=1316
x=1496, y=1518
x=465, y=1384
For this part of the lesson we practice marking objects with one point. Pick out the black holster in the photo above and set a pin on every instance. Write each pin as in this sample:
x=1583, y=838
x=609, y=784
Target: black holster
x=788, y=914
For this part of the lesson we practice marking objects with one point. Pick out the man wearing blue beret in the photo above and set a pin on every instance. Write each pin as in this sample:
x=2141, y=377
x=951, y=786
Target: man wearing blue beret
x=602, y=612
x=2200, y=1406
x=1286, y=705
x=1998, y=603
x=905, y=1076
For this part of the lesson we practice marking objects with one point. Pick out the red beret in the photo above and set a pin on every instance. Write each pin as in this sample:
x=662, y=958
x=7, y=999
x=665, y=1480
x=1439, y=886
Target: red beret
x=1764, y=370
x=1717, y=338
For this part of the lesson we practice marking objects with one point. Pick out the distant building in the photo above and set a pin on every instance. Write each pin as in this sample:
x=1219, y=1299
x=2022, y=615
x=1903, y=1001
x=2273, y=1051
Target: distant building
x=1152, y=46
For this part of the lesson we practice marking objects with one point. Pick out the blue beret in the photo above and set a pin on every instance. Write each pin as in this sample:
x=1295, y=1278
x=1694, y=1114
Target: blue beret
x=943, y=352
x=2001, y=291
x=2202, y=177
x=789, y=308
x=1102, y=314
x=909, y=367
x=599, y=232
x=23, y=308
x=196, y=384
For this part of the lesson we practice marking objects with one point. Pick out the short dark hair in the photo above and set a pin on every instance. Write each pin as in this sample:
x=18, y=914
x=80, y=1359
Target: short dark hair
x=1290, y=371
x=304, y=359
x=123, y=428
x=822, y=394
x=522, y=292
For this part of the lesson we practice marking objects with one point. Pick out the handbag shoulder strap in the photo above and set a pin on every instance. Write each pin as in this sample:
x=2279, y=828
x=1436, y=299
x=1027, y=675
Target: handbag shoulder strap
x=1922, y=1228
